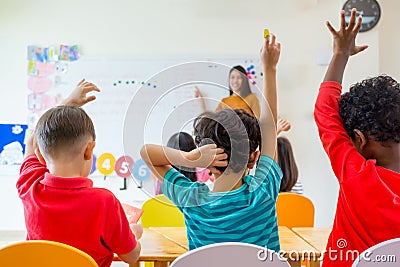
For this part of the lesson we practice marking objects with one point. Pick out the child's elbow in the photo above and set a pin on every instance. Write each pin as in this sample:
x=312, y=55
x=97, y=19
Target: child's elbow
x=132, y=256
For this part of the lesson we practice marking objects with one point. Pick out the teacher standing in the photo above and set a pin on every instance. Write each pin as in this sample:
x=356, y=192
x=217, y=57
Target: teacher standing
x=240, y=95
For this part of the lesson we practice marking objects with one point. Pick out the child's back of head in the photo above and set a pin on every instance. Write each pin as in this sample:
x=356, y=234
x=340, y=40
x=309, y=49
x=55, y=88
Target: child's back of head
x=63, y=131
x=373, y=107
x=287, y=163
x=236, y=131
x=183, y=141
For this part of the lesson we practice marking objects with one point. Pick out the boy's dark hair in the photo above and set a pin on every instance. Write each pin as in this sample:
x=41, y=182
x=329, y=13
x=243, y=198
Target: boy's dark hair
x=288, y=165
x=183, y=141
x=63, y=127
x=373, y=107
x=236, y=131
x=245, y=87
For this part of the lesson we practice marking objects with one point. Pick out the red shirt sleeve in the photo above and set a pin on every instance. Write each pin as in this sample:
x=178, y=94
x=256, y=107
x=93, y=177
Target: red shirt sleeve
x=345, y=160
x=31, y=171
x=117, y=233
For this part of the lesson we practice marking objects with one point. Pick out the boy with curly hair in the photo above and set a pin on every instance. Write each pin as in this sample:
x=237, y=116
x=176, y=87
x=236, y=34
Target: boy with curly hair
x=360, y=132
x=241, y=207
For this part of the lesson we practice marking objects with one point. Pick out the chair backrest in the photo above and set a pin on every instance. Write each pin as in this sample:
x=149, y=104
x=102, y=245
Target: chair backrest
x=386, y=253
x=232, y=254
x=159, y=211
x=294, y=210
x=43, y=253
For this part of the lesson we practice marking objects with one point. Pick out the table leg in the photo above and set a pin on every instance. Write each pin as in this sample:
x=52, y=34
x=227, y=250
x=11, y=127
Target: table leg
x=160, y=264
x=137, y=264
x=314, y=263
x=294, y=263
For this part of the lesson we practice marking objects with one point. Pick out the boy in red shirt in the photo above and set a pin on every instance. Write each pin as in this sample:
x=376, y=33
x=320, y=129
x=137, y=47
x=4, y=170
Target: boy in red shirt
x=60, y=202
x=360, y=132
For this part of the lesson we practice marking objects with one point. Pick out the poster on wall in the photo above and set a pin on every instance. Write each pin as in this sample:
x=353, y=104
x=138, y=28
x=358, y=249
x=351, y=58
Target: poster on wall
x=12, y=144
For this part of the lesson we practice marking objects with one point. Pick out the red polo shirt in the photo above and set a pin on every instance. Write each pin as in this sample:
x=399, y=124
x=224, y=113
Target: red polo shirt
x=71, y=211
x=368, y=207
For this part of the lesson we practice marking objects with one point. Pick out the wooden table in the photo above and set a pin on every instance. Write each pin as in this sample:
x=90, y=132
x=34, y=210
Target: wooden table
x=293, y=247
x=296, y=249
x=175, y=234
x=316, y=237
x=155, y=247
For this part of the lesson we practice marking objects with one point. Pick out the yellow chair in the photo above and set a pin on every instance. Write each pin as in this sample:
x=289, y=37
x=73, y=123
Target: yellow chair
x=159, y=211
x=43, y=253
x=294, y=210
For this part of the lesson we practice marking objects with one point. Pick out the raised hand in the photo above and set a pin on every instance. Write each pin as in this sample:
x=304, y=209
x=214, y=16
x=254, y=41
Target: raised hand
x=282, y=126
x=344, y=39
x=197, y=93
x=79, y=97
x=344, y=46
x=270, y=52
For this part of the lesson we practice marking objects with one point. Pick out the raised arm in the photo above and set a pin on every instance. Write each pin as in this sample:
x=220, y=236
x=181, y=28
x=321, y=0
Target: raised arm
x=159, y=158
x=198, y=95
x=334, y=138
x=344, y=46
x=78, y=97
x=270, y=53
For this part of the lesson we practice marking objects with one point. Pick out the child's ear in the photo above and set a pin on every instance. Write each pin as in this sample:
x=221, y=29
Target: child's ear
x=40, y=156
x=360, y=139
x=89, y=150
x=253, y=159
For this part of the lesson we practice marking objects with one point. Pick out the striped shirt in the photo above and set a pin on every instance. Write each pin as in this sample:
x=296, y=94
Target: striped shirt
x=246, y=214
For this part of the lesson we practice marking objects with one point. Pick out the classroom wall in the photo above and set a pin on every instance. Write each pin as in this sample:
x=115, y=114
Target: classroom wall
x=197, y=29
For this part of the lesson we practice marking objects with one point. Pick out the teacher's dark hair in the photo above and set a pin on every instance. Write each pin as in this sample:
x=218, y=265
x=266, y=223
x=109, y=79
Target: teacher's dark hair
x=245, y=87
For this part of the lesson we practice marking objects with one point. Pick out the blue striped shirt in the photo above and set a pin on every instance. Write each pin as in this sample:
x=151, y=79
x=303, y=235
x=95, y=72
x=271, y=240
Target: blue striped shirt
x=246, y=214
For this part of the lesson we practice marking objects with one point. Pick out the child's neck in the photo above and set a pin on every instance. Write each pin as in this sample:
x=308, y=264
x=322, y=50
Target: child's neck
x=228, y=182
x=389, y=157
x=66, y=169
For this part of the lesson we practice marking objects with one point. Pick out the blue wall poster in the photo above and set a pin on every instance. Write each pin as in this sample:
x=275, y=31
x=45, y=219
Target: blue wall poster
x=12, y=145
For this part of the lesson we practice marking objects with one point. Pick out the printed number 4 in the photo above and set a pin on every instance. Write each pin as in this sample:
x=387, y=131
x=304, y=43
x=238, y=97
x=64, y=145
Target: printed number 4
x=106, y=164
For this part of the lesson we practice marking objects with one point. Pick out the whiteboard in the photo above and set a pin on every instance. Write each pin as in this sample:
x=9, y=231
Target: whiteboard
x=146, y=101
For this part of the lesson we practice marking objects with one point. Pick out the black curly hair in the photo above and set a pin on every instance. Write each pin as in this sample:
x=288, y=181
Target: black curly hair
x=373, y=107
x=234, y=130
